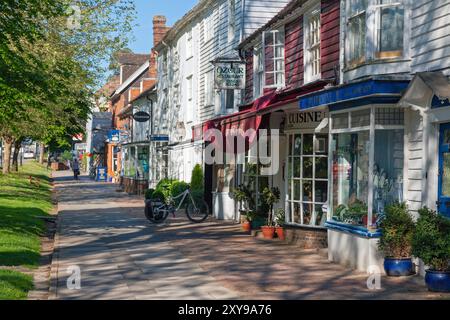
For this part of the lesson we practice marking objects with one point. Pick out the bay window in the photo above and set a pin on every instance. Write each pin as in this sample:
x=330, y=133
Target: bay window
x=312, y=45
x=367, y=163
x=273, y=58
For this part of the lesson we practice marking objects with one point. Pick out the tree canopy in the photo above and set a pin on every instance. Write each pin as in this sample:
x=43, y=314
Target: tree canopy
x=53, y=55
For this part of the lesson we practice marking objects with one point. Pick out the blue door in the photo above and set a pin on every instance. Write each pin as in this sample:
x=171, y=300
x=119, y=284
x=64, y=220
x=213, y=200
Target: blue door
x=444, y=170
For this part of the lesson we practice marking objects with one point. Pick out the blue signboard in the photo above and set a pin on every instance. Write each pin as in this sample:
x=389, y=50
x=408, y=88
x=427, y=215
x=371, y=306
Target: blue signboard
x=360, y=93
x=102, y=174
x=160, y=138
x=114, y=136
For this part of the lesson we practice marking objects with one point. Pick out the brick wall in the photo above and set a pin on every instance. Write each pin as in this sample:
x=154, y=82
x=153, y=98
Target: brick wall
x=307, y=238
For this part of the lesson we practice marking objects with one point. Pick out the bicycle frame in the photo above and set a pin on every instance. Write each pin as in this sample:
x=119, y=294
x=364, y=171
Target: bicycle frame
x=184, y=195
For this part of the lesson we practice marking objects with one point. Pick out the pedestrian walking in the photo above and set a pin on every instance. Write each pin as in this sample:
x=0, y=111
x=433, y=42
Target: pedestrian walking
x=76, y=168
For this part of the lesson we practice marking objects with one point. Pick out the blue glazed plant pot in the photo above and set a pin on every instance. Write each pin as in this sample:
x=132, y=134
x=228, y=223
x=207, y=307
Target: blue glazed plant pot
x=398, y=267
x=438, y=281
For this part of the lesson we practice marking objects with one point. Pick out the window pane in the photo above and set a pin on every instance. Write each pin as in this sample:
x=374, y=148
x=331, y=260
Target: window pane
x=340, y=121
x=356, y=6
x=307, y=167
x=308, y=144
x=446, y=174
x=360, y=118
x=297, y=167
x=321, y=191
x=307, y=213
x=297, y=144
x=389, y=116
x=296, y=212
x=350, y=176
x=388, y=168
x=307, y=191
x=391, y=33
x=321, y=217
x=322, y=168
x=296, y=195
x=357, y=37
x=321, y=144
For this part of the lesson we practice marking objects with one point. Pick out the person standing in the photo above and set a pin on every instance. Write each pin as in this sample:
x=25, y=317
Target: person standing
x=76, y=168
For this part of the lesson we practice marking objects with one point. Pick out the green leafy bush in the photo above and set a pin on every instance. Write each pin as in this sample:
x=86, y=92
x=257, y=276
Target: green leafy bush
x=149, y=193
x=431, y=241
x=197, y=179
x=177, y=188
x=270, y=196
x=244, y=195
x=280, y=217
x=397, y=229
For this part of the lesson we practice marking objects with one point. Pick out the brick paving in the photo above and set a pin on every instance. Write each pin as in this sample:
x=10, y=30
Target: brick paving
x=123, y=256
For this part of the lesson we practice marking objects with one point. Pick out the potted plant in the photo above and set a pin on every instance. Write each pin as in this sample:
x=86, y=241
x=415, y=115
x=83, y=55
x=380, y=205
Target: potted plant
x=431, y=243
x=397, y=229
x=270, y=197
x=243, y=195
x=279, y=221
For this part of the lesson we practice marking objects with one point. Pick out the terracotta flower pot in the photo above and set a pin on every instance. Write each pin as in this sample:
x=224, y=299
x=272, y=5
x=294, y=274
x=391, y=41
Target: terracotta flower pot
x=268, y=232
x=246, y=226
x=280, y=233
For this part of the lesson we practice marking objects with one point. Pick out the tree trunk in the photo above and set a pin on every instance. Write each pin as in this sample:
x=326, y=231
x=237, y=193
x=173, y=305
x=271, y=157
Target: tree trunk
x=7, y=146
x=15, y=156
x=41, y=153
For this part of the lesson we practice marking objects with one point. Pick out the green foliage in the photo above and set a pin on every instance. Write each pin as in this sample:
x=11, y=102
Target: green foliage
x=14, y=285
x=352, y=213
x=177, y=188
x=245, y=196
x=197, y=180
x=149, y=193
x=280, y=217
x=66, y=155
x=270, y=196
x=397, y=229
x=431, y=240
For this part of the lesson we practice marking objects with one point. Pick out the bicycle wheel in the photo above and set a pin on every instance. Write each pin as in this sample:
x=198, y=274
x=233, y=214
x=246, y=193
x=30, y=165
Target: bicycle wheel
x=199, y=212
x=156, y=211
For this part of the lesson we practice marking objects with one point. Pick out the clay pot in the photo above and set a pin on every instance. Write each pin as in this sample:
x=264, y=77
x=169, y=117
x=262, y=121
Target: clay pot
x=247, y=226
x=268, y=232
x=280, y=233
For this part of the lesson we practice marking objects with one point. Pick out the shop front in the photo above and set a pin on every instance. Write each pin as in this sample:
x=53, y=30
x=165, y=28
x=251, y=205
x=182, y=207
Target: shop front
x=366, y=147
x=136, y=167
x=306, y=180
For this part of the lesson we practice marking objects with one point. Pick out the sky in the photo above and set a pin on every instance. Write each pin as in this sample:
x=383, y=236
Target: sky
x=146, y=9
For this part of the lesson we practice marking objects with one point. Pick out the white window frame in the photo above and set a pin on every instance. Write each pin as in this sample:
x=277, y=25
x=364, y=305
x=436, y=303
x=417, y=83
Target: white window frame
x=209, y=88
x=350, y=16
x=258, y=72
x=309, y=48
x=272, y=33
x=378, y=54
x=190, y=98
x=231, y=20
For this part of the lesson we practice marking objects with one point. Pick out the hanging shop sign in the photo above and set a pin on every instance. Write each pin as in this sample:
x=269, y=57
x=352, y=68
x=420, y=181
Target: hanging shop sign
x=306, y=119
x=141, y=116
x=229, y=75
x=114, y=136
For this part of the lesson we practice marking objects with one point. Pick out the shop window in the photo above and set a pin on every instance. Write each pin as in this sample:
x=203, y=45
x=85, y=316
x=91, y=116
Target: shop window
x=390, y=14
x=340, y=120
x=364, y=186
x=360, y=118
x=307, y=178
x=389, y=116
x=356, y=29
x=312, y=45
x=273, y=58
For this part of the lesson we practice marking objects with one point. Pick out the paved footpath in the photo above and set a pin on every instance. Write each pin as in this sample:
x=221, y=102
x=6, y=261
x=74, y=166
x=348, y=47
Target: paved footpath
x=123, y=256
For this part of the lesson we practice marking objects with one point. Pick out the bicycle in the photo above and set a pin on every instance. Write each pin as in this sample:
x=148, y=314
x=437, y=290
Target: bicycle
x=157, y=210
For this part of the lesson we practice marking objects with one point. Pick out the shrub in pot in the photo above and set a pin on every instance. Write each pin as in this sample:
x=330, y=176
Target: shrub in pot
x=279, y=222
x=149, y=193
x=431, y=243
x=244, y=196
x=270, y=196
x=397, y=229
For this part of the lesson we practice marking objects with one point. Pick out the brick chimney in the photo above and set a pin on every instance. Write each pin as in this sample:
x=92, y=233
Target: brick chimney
x=159, y=29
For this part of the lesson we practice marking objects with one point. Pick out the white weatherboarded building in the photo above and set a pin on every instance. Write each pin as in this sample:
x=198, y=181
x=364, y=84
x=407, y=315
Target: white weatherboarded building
x=186, y=95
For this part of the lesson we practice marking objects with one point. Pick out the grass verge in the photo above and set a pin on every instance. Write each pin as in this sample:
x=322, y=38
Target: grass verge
x=21, y=203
